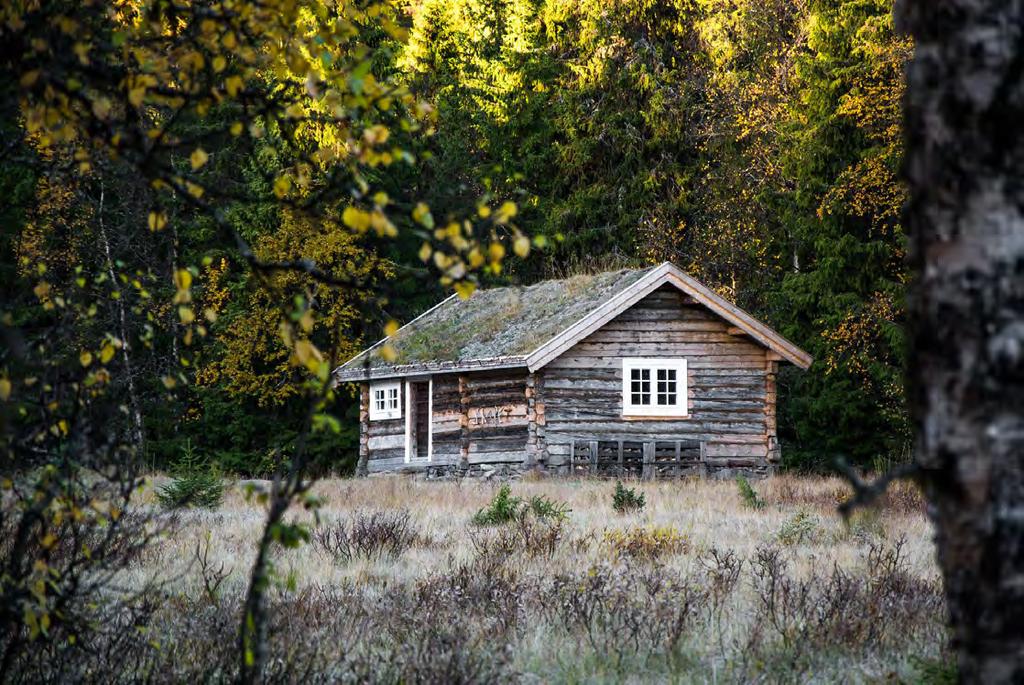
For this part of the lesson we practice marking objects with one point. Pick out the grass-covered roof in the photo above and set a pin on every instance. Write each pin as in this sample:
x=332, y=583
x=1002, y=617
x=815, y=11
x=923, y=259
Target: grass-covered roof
x=499, y=325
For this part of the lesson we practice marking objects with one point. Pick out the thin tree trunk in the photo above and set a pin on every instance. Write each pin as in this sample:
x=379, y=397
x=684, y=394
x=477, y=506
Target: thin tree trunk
x=965, y=168
x=133, y=397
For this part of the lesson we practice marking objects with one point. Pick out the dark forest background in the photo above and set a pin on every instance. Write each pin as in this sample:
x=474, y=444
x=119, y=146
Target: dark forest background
x=754, y=143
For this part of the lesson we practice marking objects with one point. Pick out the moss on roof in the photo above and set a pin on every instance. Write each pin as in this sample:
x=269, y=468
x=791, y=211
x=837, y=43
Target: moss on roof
x=500, y=322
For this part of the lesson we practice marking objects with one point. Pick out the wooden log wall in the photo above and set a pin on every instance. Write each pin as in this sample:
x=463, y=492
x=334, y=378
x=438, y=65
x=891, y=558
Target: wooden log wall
x=772, y=372
x=496, y=408
x=727, y=391
x=364, y=429
x=447, y=418
x=386, y=440
x=477, y=419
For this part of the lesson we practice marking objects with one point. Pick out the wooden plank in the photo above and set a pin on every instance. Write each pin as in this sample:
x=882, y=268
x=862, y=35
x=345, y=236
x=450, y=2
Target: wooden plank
x=569, y=432
x=648, y=470
x=506, y=457
x=729, y=449
x=385, y=442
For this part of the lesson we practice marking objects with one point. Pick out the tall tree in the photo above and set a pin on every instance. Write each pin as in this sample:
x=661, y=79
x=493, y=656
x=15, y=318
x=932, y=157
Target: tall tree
x=965, y=165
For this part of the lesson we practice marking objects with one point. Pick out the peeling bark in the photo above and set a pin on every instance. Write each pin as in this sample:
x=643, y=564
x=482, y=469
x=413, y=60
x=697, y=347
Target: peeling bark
x=965, y=168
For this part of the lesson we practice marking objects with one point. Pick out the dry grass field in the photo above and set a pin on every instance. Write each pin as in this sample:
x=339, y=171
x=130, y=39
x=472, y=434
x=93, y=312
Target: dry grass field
x=397, y=584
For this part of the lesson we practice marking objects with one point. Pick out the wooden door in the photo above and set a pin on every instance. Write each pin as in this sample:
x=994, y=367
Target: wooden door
x=419, y=419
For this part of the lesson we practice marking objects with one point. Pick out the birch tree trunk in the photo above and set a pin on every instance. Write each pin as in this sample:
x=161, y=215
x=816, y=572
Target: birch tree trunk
x=965, y=166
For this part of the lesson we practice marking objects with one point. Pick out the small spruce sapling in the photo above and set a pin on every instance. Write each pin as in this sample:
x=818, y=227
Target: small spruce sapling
x=505, y=508
x=196, y=483
x=748, y=494
x=625, y=500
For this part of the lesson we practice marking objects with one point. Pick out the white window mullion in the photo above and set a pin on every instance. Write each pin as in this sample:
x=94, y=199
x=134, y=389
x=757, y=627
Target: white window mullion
x=408, y=422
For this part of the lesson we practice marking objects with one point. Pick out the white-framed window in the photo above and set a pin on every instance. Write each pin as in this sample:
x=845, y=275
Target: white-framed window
x=384, y=401
x=654, y=387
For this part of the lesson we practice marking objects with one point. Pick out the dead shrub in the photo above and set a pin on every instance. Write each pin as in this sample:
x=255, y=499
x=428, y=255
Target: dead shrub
x=526, y=535
x=723, y=568
x=624, y=609
x=841, y=609
x=372, y=536
x=904, y=497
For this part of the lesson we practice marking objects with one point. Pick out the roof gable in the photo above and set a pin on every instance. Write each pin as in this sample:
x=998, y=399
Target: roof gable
x=667, y=273
x=531, y=326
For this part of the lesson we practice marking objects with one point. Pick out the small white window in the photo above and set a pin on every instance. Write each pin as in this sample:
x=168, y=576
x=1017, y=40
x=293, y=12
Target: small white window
x=384, y=402
x=654, y=387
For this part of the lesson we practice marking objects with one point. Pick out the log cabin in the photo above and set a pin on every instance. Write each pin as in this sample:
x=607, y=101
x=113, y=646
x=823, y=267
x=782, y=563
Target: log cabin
x=643, y=372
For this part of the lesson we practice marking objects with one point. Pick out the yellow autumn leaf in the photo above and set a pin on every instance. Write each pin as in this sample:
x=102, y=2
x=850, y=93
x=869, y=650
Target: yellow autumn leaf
x=5, y=389
x=307, y=354
x=198, y=158
x=421, y=215
x=356, y=218
x=107, y=352
x=425, y=252
x=390, y=328
x=505, y=212
x=137, y=95
x=169, y=382
x=521, y=246
x=186, y=315
x=157, y=221
x=306, y=320
x=496, y=251
x=387, y=353
x=85, y=358
x=237, y=128
x=465, y=289
x=182, y=279
x=233, y=84
x=219, y=63
x=282, y=184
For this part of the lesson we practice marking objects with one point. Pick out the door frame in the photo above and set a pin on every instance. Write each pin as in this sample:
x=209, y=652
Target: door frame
x=410, y=424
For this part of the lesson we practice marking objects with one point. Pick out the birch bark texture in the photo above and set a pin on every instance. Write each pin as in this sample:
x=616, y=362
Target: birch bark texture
x=964, y=118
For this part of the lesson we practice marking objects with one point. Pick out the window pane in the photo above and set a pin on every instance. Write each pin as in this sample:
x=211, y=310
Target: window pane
x=666, y=395
x=639, y=387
